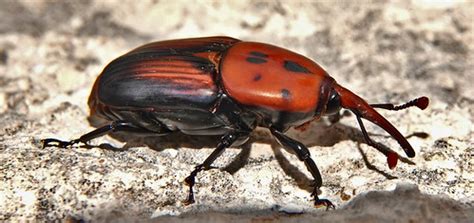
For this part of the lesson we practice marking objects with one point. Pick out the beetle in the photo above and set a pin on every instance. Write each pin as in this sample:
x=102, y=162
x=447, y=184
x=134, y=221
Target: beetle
x=228, y=87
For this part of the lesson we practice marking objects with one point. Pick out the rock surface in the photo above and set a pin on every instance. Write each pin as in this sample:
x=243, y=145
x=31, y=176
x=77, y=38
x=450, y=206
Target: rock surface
x=51, y=52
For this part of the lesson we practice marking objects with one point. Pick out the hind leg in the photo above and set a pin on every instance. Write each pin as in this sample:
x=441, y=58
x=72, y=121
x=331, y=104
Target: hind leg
x=115, y=126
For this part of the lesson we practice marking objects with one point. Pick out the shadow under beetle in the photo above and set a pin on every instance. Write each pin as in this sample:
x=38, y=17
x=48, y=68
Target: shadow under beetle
x=225, y=86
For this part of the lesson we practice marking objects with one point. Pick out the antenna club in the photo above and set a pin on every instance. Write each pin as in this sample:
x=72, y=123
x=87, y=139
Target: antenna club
x=422, y=102
x=392, y=159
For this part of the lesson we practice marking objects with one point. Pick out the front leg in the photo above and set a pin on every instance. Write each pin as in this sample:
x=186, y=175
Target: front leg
x=303, y=154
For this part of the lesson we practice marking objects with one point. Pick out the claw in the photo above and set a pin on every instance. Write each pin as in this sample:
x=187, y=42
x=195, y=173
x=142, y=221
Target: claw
x=190, y=182
x=324, y=202
x=50, y=142
x=189, y=200
x=321, y=202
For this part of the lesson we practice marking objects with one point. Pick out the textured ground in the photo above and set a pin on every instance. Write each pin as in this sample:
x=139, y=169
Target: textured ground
x=51, y=52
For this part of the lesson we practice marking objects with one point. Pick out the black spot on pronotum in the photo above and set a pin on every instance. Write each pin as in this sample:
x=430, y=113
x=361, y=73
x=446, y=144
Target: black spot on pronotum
x=256, y=60
x=257, y=77
x=285, y=94
x=258, y=54
x=294, y=67
x=257, y=57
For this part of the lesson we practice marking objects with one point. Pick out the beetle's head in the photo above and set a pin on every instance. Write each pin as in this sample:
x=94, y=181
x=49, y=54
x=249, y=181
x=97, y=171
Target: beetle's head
x=342, y=97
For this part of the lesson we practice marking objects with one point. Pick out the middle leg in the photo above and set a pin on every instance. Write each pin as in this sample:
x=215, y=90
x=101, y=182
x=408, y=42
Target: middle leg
x=225, y=142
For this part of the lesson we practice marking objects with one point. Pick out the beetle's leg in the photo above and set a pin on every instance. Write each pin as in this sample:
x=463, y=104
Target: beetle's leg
x=335, y=117
x=421, y=103
x=225, y=142
x=303, y=154
x=392, y=157
x=115, y=126
x=234, y=119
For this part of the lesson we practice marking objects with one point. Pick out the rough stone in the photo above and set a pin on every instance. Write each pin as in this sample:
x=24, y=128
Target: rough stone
x=51, y=52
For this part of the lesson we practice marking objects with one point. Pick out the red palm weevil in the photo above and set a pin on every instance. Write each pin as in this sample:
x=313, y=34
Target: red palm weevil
x=228, y=87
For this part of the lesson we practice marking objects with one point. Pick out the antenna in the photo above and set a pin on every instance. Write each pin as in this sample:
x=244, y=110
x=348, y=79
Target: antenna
x=392, y=157
x=421, y=103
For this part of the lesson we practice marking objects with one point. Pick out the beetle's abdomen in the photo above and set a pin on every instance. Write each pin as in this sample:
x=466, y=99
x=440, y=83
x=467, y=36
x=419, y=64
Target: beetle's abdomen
x=263, y=75
x=162, y=75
